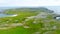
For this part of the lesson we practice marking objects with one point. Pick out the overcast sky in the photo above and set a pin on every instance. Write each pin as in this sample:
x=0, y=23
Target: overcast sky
x=28, y=3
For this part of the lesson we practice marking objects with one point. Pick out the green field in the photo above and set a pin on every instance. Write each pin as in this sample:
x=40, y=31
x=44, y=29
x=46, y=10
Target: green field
x=26, y=23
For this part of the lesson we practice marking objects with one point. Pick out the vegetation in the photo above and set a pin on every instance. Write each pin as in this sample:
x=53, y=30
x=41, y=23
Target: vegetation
x=29, y=21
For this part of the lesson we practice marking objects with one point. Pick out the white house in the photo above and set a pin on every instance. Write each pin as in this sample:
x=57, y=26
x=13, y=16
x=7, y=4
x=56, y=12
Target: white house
x=57, y=17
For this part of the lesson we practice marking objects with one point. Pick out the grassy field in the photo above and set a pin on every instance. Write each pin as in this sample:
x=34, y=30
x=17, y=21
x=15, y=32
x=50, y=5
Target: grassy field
x=26, y=23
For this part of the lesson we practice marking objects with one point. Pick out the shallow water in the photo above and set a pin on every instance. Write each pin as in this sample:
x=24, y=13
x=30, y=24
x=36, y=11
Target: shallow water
x=4, y=15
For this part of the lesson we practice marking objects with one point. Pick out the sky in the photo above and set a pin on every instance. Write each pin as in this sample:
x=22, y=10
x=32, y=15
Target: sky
x=28, y=3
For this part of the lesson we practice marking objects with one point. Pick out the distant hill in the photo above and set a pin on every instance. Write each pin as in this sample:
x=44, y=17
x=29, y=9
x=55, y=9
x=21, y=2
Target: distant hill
x=36, y=9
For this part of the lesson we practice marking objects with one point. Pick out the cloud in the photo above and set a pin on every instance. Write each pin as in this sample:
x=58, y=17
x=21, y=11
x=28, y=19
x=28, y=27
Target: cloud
x=29, y=3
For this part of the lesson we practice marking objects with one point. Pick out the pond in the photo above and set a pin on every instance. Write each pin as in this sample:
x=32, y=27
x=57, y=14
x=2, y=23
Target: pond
x=7, y=15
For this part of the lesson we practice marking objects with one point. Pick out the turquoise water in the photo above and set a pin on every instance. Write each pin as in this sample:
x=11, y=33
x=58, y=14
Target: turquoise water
x=4, y=15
